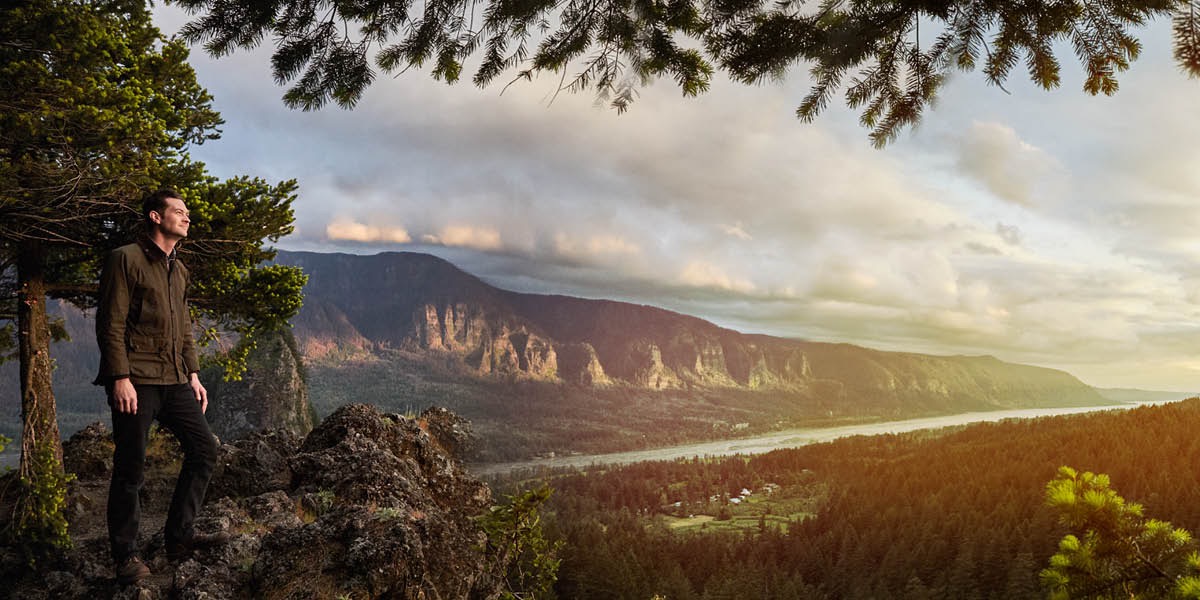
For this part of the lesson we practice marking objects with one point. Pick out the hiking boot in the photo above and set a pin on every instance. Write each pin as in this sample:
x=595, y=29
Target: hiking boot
x=132, y=570
x=200, y=541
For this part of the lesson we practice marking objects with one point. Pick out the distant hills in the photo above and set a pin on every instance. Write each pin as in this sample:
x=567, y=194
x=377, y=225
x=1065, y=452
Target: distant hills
x=420, y=303
x=548, y=373
x=1129, y=395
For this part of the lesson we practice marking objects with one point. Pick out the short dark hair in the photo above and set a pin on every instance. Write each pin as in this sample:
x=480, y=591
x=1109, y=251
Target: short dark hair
x=156, y=202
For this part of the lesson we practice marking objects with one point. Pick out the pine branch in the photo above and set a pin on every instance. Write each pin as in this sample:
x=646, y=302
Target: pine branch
x=1186, y=28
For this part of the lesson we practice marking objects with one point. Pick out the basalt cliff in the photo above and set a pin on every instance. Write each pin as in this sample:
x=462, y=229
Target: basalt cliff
x=362, y=305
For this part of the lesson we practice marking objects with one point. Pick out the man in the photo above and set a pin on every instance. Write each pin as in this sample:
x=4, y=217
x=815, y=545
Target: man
x=149, y=370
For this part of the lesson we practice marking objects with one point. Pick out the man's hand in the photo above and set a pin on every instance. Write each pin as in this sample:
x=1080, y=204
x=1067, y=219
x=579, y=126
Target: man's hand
x=124, y=396
x=199, y=391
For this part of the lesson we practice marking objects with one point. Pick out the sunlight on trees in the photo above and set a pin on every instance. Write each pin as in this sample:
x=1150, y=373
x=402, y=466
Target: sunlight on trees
x=517, y=543
x=1114, y=550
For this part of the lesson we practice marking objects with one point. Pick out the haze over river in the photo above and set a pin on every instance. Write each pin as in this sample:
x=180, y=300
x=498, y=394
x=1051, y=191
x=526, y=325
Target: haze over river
x=789, y=438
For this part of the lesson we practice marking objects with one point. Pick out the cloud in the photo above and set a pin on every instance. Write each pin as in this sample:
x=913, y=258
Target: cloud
x=1011, y=234
x=349, y=230
x=1049, y=228
x=737, y=230
x=702, y=274
x=980, y=248
x=466, y=236
x=1006, y=165
x=595, y=246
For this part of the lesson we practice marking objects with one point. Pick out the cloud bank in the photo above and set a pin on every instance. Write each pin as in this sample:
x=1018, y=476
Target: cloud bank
x=1049, y=228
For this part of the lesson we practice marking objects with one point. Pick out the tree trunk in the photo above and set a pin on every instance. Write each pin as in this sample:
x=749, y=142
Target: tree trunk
x=39, y=418
x=39, y=516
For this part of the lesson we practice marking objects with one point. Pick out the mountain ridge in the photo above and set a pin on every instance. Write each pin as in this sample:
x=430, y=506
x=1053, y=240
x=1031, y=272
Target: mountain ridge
x=426, y=304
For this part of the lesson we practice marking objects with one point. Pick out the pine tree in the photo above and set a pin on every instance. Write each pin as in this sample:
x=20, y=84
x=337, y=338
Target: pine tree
x=97, y=109
x=890, y=58
x=1022, y=578
x=1113, y=550
x=915, y=590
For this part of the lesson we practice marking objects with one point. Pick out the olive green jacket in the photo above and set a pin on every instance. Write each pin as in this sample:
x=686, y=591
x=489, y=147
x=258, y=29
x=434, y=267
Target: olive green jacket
x=142, y=321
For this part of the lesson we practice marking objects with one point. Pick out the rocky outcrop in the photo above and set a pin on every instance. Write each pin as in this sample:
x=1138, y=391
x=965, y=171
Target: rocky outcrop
x=579, y=364
x=779, y=371
x=649, y=370
x=368, y=505
x=255, y=465
x=392, y=512
x=490, y=347
x=271, y=395
x=454, y=327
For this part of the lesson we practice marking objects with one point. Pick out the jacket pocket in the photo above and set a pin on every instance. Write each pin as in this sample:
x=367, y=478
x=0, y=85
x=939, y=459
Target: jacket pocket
x=146, y=357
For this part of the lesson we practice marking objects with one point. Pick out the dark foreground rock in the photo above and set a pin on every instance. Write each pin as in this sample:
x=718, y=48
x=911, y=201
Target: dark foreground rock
x=368, y=505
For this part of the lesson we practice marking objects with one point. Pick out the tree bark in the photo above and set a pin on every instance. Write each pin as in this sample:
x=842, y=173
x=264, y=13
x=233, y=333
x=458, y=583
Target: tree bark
x=39, y=419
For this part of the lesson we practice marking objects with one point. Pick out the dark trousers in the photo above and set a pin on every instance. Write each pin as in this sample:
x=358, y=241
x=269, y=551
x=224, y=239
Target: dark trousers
x=176, y=409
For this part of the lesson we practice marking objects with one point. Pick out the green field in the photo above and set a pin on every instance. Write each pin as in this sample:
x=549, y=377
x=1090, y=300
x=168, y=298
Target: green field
x=755, y=512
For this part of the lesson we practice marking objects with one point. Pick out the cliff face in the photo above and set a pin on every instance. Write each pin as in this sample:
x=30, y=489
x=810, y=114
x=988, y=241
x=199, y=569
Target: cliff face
x=368, y=505
x=358, y=304
x=423, y=304
x=272, y=395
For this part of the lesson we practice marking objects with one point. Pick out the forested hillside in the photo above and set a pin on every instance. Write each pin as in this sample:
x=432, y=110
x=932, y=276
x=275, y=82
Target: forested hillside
x=953, y=514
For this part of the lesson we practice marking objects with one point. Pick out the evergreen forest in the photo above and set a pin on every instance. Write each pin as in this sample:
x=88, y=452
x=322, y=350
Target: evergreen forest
x=957, y=513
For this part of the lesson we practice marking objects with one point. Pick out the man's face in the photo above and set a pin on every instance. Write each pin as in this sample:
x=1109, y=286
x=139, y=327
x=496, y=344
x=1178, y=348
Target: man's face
x=173, y=220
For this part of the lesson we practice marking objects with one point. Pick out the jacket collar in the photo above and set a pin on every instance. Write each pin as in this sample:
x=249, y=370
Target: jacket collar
x=153, y=251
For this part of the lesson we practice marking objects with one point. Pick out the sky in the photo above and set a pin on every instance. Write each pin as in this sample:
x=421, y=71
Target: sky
x=1048, y=228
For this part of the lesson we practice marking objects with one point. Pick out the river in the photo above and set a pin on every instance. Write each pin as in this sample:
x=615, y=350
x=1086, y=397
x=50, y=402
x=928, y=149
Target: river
x=789, y=438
